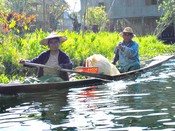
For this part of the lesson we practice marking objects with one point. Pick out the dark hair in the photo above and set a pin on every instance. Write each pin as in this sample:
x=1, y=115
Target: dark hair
x=57, y=38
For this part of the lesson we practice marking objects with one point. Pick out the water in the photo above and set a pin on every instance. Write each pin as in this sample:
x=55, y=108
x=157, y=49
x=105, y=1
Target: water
x=142, y=102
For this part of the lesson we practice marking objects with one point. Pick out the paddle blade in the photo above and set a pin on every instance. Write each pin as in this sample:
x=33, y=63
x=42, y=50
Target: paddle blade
x=87, y=69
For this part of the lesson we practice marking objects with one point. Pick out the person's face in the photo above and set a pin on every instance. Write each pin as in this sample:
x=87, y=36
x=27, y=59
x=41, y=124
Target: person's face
x=54, y=44
x=127, y=36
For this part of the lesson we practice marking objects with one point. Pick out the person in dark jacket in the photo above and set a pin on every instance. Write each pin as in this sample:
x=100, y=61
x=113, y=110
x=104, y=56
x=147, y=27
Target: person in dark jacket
x=53, y=58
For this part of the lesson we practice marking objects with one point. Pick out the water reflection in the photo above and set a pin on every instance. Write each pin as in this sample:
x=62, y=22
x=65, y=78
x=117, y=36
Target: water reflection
x=32, y=111
x=142, y=102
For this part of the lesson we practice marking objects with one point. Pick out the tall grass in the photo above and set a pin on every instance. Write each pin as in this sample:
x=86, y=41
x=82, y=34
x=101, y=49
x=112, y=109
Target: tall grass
x=77, y=47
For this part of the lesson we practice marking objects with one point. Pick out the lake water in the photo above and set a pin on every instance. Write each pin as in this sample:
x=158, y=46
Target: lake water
x=142, y=102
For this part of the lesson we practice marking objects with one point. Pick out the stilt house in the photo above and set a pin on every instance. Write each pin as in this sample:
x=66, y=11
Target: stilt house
x=141, y=15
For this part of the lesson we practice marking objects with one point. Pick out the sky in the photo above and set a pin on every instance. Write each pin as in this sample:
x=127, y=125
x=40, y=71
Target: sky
x=74, y=5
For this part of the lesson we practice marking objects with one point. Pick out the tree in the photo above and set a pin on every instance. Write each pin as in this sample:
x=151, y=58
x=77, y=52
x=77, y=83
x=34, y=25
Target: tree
x=47, y=12
x=96, y=17
x=56, y=11
x=168, y=16
x=76, y=24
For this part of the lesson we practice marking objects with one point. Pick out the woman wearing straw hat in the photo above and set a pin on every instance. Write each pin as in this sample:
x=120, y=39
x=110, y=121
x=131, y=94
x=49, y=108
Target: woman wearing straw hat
x=127, y=52
x=52, y=58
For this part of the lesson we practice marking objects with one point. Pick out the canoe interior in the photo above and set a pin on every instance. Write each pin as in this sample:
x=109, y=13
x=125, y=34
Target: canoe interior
x=156, y=61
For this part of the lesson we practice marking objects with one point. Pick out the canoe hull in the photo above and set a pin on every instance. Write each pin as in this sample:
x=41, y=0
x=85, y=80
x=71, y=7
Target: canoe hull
x=29, y=88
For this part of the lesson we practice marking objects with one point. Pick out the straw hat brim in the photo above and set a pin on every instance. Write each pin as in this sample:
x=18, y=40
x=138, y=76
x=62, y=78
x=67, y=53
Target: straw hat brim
x=127, y=30
x=45, y=40
x=121, y=33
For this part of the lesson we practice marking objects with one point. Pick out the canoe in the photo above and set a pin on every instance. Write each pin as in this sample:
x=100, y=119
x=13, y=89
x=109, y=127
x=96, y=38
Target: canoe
x=99, y=79
x=39, y=87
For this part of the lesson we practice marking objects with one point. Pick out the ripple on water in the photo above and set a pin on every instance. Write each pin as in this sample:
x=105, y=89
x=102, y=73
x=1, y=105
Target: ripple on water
x=145, y=102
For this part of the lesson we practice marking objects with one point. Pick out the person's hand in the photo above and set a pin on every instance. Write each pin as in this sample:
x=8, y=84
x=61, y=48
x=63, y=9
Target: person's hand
x=22, y=61
x=120, y=47
x=59, y=68
x=113, y=62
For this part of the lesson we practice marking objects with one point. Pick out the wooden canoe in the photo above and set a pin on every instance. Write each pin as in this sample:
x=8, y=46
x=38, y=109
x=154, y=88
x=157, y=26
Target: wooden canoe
x=100, y=79
x=39, y=87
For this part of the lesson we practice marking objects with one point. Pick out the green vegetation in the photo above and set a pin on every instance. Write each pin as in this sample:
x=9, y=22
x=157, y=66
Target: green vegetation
x=167, y=18
x=15, y=48
x=20, y=40
x=97, y=18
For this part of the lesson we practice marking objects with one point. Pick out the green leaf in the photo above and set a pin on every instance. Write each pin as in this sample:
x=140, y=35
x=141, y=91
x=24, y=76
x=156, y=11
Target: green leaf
x=12, y=24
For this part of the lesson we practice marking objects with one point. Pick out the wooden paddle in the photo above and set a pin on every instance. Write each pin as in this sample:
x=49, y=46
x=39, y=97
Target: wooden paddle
x=87, y=71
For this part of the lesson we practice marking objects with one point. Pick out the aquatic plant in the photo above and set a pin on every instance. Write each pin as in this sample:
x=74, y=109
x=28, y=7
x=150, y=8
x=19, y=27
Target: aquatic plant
x=14, y=47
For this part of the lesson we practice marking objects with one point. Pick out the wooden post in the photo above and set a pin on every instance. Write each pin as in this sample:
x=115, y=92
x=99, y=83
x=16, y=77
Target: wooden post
x=83, y=26
x=143, y=25
x=174, y=32
x=44, y=15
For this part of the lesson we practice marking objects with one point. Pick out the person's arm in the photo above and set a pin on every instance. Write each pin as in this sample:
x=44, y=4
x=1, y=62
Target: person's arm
x=40, y=59
x=67, y=65
x=132, y=51
x=116, y=55
x=64, y=61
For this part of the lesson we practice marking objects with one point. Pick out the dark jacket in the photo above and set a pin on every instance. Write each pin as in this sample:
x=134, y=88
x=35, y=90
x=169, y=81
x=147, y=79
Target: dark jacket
x=63, y=59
